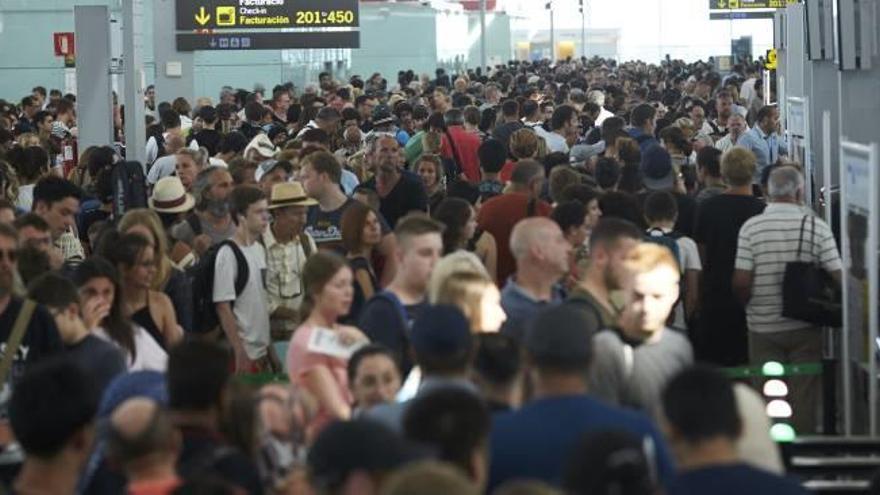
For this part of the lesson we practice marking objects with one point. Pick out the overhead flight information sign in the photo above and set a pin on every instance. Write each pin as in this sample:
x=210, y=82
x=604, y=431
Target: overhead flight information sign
x=265, y=14
x=749, y=4
x=223, y=41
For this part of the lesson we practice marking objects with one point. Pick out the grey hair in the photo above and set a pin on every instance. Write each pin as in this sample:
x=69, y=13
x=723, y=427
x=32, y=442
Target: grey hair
x=202, y=184
x=596, y=97
x=200, y=156
x=372, y=139
x=785, y=182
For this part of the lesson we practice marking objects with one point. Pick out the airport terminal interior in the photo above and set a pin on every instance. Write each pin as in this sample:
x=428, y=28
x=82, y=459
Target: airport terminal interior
x=418, y=247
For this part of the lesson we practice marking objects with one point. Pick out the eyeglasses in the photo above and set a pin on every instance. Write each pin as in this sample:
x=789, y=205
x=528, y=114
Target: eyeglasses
x=9, y=254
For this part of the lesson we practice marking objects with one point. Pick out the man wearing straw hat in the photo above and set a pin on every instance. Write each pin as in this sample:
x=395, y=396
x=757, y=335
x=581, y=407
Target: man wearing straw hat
x=287, y=248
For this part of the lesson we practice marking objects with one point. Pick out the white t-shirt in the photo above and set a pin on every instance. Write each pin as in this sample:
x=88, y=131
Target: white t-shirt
x=26, y=197
x=689, y=259
x=251, y=307
x=162, y=167
x=149, y=355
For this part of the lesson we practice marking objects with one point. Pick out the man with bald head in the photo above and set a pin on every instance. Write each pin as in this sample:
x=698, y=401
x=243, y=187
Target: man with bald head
x=541, y=252
x=145, y=444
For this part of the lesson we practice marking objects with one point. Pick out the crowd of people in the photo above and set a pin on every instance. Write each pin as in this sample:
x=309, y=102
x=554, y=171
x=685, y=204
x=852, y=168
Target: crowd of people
x=522, y=280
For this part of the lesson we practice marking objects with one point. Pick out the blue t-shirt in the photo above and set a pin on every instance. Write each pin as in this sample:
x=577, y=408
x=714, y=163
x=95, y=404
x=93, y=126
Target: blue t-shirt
x=536, y=441
x=734, y=479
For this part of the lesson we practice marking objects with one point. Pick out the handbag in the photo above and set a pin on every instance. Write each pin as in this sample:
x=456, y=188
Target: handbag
x=809, y=293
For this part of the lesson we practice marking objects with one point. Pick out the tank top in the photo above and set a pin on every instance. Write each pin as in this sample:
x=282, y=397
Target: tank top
x=143, y=318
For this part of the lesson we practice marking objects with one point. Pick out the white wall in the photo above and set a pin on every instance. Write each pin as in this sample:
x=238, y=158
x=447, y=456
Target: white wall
x=649, y=29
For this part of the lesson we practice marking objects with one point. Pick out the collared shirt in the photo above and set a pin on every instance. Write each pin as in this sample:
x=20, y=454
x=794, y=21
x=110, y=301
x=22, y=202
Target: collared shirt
x=284, y=265
x=769, y=241
x=766, y=147
x=521, y=307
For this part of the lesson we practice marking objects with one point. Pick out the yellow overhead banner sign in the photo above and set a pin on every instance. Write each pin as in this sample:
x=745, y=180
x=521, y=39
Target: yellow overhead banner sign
x=770, y=62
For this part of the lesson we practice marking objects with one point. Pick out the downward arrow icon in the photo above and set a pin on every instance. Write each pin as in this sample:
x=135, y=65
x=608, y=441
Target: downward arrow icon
x=203, y=17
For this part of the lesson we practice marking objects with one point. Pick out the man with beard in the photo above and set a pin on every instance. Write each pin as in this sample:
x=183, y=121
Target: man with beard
x=610, y=243
x=723, y=110
x=39, y=340
x=400, y=191
x=210, y=223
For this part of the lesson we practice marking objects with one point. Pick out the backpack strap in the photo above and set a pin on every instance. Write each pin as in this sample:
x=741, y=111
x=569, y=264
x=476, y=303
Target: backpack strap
x=242, y=271
x=194, y=223
x=15, y=337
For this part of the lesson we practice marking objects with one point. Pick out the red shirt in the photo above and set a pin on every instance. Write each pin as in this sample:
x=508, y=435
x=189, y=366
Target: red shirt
x=498, y=216
x=466, y=154
x=506, y=171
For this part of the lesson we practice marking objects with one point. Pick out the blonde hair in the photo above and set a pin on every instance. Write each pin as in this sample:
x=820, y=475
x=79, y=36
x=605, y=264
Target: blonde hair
x=524, y=144
x=150, y=220
x=649, y=256
x=459, y=261
x=465, y=289
x=738, y=166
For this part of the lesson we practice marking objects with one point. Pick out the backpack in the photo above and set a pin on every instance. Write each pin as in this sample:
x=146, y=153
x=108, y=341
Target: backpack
x=669, y=240
x=201, y=276
x=129, y=187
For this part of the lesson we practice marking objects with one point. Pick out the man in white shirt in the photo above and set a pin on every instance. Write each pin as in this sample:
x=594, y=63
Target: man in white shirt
x=564, y=127
x=244, y=311
x=598, y=97
x=784, y=233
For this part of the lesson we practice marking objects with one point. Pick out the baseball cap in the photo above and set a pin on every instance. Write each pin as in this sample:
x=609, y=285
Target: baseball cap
x=344, y=447
x=441, y=330
x=657, y=170
x=561, y=336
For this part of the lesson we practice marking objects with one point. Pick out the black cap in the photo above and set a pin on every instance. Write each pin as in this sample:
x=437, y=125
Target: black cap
x=561, y=337
x=441, y=330
x=361, y=444
x=382, y=115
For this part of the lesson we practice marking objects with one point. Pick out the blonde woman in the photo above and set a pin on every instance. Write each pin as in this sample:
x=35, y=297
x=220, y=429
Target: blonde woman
x=168, y=278
x=477, y=297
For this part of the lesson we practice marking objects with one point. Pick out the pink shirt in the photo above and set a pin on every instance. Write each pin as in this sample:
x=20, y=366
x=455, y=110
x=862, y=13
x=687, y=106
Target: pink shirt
x=300, y=361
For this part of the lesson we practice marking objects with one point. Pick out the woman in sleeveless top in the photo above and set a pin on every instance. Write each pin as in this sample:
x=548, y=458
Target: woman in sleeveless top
x=361, y=234
x=460, y=220
x=317, y=358
x=103, y=313
x=134, y=257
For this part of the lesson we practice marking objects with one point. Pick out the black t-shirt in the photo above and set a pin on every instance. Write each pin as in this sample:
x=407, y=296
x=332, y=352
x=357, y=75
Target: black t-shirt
x=40, y=340
x=324, y=226
x=208, y=138
x=204, y=452
x=102, y=360
x=687, y=209
x=384, y=323
x=504, y=131
x=733, y=479
x=408, y=195
x=357, y=304
x=717, y=229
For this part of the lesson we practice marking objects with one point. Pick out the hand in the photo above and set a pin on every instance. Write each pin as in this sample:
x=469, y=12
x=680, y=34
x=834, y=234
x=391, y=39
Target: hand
x=243, y=364
x=351, y=335
x=201, y=244
x=94, y=311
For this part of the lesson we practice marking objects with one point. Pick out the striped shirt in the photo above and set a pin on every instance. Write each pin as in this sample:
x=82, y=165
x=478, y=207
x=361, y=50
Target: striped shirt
x=768, y=242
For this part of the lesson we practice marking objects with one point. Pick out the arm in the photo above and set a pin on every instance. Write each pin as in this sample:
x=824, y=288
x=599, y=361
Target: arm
x=692, y=293
x=487, y=250
x=172, y=332
x=742, y=285
x=230, y=328
x=363, y=279
x=320, y=382
x=388, y=250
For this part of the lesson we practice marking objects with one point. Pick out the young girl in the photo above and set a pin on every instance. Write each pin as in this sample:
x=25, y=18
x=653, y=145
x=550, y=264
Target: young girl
x=311, y=362
x=430, y=169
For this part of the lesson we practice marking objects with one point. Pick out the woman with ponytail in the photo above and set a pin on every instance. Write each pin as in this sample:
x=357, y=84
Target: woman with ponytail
x=317, y=358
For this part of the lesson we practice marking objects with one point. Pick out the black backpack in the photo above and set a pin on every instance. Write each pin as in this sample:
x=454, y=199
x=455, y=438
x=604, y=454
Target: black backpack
x=129, y=188
x=201, y=276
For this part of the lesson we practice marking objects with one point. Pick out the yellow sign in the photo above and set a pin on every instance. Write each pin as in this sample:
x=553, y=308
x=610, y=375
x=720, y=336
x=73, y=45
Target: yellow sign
x=770, y=63
x=226, y=16
x=203, y=17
